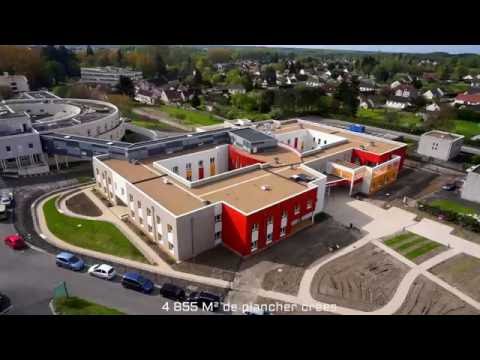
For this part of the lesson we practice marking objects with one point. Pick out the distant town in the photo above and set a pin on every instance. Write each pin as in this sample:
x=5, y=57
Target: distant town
x=241, y=179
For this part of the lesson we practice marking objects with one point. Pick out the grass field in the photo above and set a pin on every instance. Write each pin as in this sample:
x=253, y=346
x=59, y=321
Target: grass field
x=90, y=234
x=466, y=128
x=411, y=245
x=454, y=206
x=190, y=117
x=76, y=306
x=404, y=119
x=151, y=124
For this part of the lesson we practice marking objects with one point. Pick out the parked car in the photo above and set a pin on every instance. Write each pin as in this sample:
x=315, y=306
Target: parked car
x=173, y=292
x=5, y=304
x=472, y=168
x=69, y=261
x=3, y=212
x=257, y=312
x=6, y=199
x=204, y=300
x=449, y=186
x=135, y=281
x=16, y=242
x=102, y=271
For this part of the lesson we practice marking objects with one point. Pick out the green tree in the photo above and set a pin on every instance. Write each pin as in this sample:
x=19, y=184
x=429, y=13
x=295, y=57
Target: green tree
x=125, y=86
x=266, y=99
x=120, y=59
x=270, y=75
x=89, y=51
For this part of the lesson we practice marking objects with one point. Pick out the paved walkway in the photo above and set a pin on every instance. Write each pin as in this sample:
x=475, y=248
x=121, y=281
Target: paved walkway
x=383, y=223
x=373, y=221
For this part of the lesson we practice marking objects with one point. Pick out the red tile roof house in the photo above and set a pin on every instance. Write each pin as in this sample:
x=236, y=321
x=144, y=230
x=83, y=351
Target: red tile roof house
x=468, y=99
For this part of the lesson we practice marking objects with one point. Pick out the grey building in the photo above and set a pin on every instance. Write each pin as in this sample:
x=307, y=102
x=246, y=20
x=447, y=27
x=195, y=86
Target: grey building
x=440, y=145
x=251, y=140
x=471, y=187
x=20, y=147
x=108, y=75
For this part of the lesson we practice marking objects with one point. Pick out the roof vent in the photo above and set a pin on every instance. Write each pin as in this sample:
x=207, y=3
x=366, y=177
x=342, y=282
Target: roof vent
x=266, y=187
x=110, y=143
x=206, y=202
x=66, y=137
x=136, y=162
x=166, y=181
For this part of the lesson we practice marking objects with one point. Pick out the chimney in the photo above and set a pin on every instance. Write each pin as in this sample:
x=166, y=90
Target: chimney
x=265, y=187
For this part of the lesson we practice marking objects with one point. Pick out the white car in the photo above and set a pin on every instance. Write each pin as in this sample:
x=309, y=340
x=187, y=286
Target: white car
x=472, y=168
x=6, y=199
x=102, y=271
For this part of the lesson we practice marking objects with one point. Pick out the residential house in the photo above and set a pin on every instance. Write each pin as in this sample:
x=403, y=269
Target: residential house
x=406, y=91
x=467, y=99
x=395, y=84
x=314, y=81
x=398, y=103
x=236, y=89
x=430, y=76
x=367, y=87
x=433, y=94
x=432, y=107
x=145, y=97
x=370, y=102
x=171, y=96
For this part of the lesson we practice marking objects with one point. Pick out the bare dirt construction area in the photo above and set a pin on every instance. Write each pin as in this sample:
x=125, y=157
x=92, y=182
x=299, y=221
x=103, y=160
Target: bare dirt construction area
x=280, y=267
x=218, y=262
x=427, y=298
x=82, y=205
x=364, y=279
x=463, y=272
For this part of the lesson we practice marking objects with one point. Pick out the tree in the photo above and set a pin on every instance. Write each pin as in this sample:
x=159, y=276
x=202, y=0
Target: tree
x=460, y=72
x=270, y=75
x=5, y=92
x=89, y=51
x=197, y=79
x=417, y=83
x=120, y=59
x=368, y=64
x=195, y=102
x=160, y=69
x=266, y=99
x=219, y=55
x=125, y=86
x=347, y=93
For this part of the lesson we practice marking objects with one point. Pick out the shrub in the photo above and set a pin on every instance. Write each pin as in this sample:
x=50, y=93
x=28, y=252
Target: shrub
x=466, y=221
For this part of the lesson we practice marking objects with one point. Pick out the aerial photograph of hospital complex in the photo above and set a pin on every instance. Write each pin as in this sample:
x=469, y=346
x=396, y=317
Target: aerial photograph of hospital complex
x=239, y=180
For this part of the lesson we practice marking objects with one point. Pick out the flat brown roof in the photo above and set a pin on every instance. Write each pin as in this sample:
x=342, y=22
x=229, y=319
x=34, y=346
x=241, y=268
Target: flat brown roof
x=133, y=173
x=248, y=195
x=174, y=198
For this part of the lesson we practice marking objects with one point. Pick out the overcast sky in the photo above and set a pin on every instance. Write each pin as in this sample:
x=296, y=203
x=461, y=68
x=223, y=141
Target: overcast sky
x=453, y=49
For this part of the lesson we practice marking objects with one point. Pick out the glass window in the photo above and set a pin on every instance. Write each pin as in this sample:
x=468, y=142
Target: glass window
x=189, y=166
x=212, y=160
x=8, y=148
x=269, y=237
x=254, y=245
x=218, y=235
x=158, y=220
x=296, y=209
x=131, y=197
x=149, y=212
x=200, y=163
x=283, y=231
x=270, y=220
x=218, y=218
x=255, y=227
x=169, y=228
x=149, y=228
x=309, y=204
x=175, y=169
x=284, y=213
x=139, y=204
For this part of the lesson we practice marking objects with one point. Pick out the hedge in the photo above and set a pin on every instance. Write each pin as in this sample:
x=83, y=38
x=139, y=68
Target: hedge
x=468, y=222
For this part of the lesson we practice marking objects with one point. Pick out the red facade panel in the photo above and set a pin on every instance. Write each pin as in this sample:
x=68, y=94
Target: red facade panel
x=368, y=158
x=237, y=228
x=238, y=158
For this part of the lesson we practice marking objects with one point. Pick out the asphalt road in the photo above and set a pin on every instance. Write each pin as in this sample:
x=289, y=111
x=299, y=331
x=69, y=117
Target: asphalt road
x=29, y=277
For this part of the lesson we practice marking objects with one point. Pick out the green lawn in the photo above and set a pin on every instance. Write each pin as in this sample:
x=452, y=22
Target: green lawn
x=405, y=119
x=90, y=234
x=84, y=179
x=151, y=124
x=454, y=206
x=76, y=306
x=466, y=128
x=411, y=245
x=190, y=117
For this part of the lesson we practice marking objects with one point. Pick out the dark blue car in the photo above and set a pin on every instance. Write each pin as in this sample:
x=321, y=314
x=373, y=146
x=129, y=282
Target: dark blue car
x=69, y=261
x=135, y=281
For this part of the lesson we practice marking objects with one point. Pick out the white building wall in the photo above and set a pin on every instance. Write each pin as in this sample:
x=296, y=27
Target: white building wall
x=220, y=153
x=471, y=188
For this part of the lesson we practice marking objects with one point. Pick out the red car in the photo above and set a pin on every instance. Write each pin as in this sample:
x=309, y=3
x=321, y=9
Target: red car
x=16, y=242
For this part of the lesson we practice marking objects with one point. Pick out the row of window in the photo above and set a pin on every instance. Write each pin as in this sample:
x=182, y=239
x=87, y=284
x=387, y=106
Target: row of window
x=8, y=148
